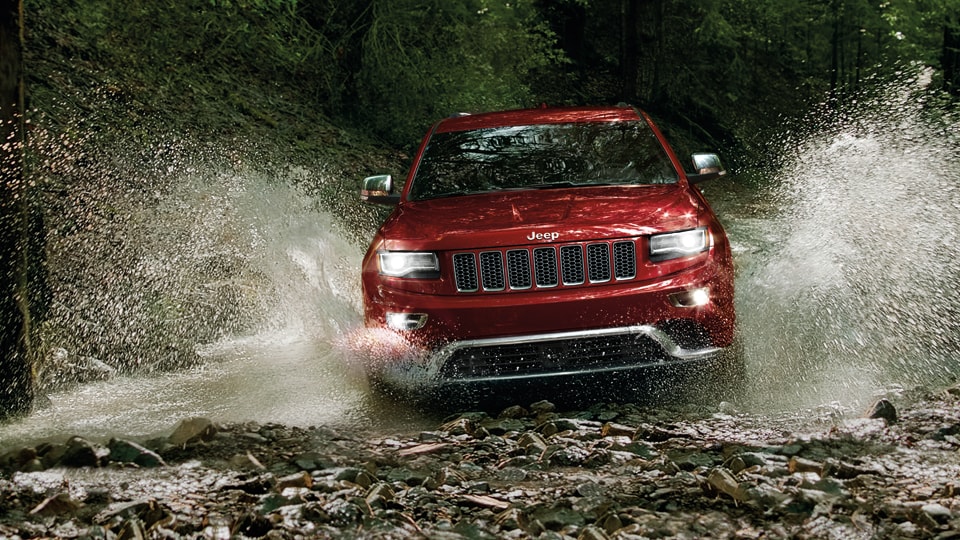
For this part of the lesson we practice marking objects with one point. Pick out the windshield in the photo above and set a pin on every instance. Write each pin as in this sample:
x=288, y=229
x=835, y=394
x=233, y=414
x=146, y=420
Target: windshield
x=541, y=157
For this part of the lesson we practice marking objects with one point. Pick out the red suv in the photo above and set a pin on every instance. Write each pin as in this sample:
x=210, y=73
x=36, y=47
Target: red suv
x=548, y=244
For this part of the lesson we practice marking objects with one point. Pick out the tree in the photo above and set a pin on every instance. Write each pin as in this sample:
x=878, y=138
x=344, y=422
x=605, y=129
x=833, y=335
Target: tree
x=16, y=372
x=426, y=59
x=950, y=57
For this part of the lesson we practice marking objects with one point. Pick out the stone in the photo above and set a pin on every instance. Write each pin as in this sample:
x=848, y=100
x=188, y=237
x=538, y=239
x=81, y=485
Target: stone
x=246, y=461
x=724, y=482
x=611, y=429
x=937, y=511
x=590, y=489
x=459, y=426
x=83, y=453
x=409, y=477
x=500, y=426
x=532, y=442
x=130, y=452
x=296, y=480
x=57, y=505
x=801, y=465
x=363, y=479
x=883, y=409
x=591, y=532
x=557, y=516
x=34, y=465
x=191, y=430
x=310, y=461
x=542, y=407
x=379, y=495
x=514, y=411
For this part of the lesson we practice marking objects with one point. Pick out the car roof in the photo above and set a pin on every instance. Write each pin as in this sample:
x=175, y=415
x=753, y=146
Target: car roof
x=540, y=115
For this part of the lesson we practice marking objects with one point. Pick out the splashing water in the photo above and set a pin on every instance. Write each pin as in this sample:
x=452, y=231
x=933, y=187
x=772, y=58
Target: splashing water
x=849, y=290
x=847, y=268
x=242, y=266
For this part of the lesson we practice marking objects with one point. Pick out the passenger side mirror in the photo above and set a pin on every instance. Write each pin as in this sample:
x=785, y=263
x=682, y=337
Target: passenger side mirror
x=708, y=167
x=378, y=190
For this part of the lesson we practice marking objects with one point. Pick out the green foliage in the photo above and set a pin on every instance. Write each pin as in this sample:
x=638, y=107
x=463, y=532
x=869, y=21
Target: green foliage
x=725, y=73
x=423, y=60
x=718, y=72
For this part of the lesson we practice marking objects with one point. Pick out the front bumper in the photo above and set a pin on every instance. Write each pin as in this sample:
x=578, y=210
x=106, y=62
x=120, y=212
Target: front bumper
x=542, y=357
x=565, y=334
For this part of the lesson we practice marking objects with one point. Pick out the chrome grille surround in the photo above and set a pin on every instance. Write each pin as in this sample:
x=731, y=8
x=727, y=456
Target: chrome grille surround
x=491, y=271
x=598, y=263
x=518, y=268
x=545, y=261
x=571, y=265
x=465, y=272
x=625, y=260
x=542, y=267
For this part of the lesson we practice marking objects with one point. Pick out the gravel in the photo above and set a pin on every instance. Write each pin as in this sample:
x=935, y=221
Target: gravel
x=610, y=471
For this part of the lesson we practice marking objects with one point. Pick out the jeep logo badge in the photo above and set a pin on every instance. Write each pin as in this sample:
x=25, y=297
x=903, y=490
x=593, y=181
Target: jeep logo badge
x=549, y=236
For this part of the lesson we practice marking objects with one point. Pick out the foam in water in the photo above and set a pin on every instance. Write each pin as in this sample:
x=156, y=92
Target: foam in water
x=258, y=257
x=855, y=291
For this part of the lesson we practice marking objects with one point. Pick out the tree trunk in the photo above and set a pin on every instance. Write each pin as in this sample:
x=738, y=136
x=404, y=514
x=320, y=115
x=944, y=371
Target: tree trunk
x=646, y=18
x=16, y=371
x=950, y=58
x=629, y=49
x=835, y=50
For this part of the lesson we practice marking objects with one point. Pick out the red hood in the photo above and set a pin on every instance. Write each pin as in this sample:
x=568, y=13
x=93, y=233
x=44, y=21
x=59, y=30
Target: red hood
x=540, y=216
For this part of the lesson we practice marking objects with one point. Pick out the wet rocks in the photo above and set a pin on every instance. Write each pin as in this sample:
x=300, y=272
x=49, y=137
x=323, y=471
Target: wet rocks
x=192, y=430
x=613, y=471
x=883, y=410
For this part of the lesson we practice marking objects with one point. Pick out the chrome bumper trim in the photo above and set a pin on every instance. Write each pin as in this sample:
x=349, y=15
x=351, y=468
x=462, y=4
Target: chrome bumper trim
x=674, y=352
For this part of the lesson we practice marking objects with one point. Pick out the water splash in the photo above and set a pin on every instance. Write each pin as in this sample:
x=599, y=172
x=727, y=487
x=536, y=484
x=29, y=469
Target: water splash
x=849, y=289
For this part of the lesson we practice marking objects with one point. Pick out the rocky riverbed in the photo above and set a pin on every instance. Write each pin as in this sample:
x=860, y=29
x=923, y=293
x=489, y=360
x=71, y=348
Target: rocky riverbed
x=611, y=471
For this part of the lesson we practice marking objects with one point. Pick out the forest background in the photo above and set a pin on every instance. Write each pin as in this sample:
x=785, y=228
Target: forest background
x=357, y=83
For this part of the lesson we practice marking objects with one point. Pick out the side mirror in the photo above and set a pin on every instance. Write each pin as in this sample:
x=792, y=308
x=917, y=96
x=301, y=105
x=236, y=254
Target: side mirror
x=378, y=190
x=708, y=167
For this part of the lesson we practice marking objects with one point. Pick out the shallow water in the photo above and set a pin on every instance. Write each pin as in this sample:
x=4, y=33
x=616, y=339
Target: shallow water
x=846, y=259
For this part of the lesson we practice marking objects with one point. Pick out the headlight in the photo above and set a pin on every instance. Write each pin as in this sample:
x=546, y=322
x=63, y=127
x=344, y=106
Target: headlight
x=410, y=264
x=678, y=244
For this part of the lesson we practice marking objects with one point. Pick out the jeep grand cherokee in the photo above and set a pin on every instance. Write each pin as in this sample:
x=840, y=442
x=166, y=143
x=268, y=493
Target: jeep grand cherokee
x=548, y=244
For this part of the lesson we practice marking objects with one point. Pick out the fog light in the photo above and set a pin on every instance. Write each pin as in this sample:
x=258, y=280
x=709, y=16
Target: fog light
x=406, y=321
x=692, y=298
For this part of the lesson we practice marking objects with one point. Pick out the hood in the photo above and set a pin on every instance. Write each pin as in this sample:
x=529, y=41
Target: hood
x=540, y=216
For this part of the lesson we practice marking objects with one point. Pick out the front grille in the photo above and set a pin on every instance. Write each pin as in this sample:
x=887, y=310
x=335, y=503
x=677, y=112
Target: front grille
x=545, y=267
x=491, y=271
x=465, y=272
x=583, y=354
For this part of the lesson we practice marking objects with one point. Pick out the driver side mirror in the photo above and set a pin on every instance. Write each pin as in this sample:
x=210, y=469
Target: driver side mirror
x=378, y=190
x=708, y=167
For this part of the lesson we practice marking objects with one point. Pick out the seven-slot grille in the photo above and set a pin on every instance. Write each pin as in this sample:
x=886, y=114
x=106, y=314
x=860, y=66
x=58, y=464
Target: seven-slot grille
x=544, y=267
